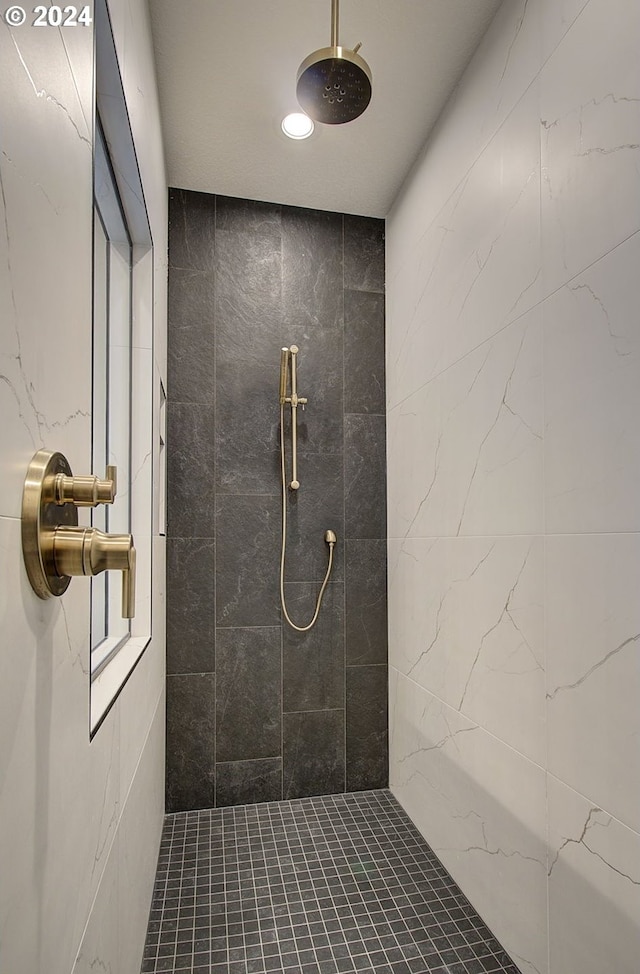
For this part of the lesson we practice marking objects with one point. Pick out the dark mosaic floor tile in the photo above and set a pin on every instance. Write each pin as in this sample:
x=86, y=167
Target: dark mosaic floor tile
x=258, y=874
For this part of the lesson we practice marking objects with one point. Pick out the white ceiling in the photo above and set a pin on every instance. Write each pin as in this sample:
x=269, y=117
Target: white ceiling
x=227, y=75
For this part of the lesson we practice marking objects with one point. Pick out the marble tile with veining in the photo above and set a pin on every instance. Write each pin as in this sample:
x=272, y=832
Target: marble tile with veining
x=594, y=887
x=592, y=648
x=590, y=127
x=465, y=451
x=465, y=622
x=592, y=397
x=496, y=851
x=477, y=265
x=38, y=409
x=504, y=65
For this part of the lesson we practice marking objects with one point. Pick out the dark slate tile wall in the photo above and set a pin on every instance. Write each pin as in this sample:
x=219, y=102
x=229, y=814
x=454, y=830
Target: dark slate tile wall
x=256, y=711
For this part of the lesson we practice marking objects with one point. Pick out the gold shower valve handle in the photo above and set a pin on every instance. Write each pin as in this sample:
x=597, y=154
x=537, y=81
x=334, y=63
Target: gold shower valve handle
x=85, y=491
x=87, y=551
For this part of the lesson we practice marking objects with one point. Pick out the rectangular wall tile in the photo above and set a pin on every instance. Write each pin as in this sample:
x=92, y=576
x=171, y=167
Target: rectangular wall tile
x=190, y=605
x=316, y=506
x=191, y=354
x=366, y=723
x=592, y=437
x=364, y=388
x=593, y=677
x=594, y=887
x=190, y=741
x=364, y=471
x=247, y=551
x=248, y=694
x=366, y=601
x=313, y=317
x=466, y=623
x=246, y=782
x=192, y=218
x=248, y=305
x=313, y=754
x=248, y=216
x=364, y=253
x=248, y=426
x=490, y=834
x=190, y=470
x=477, y=265
x=248, y=338
x=465, y=451
x=589, y=95
x=313, y=662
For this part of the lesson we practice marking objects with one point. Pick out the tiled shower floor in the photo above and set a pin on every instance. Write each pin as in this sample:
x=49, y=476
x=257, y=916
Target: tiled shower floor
x=322, y=885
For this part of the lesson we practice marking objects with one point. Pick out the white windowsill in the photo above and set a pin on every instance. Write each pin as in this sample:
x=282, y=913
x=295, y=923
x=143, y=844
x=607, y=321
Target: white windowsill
x=107, y=685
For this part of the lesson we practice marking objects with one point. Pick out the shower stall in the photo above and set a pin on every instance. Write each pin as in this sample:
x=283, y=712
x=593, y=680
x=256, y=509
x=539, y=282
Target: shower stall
x=257, y=709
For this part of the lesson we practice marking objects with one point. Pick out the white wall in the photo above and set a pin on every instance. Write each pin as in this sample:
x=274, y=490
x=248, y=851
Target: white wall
x=79, y=821
x=513, y=377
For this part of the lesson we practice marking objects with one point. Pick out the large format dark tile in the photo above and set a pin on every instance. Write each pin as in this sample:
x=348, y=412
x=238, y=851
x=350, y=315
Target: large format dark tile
x=248, y=694
x=313, y=661
x=191, y=229
x=312, y=268
x=366, y=601
x=248, y=216
x=363, y=253
x=364, y=388
x=190, y=470
x=316, y=506
x=240, y=782
x=313, y=754
x=190, y=349
x=190, y=605
x=365, y=476
x=367, y=750
x=248, y=302
x=249, y=335
x=248, y=559
x=190, y=741
x=314, y=317
x=247, y=427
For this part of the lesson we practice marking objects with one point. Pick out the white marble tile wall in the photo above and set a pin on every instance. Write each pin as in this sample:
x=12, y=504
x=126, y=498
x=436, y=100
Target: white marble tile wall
x=79, y=820
x=513, y=376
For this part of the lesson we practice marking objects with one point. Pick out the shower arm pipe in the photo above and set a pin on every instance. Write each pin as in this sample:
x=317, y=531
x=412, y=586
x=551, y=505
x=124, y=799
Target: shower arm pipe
x=334, y=22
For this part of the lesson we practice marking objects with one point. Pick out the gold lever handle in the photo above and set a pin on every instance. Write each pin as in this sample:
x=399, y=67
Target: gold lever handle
x=87, y=551
x=84, y=491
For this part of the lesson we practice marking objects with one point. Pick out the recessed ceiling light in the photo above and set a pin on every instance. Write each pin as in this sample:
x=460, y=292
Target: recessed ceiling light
x=297, y=126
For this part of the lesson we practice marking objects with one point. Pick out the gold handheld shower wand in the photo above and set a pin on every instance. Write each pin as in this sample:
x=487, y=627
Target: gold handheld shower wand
x=288, y=367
